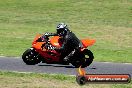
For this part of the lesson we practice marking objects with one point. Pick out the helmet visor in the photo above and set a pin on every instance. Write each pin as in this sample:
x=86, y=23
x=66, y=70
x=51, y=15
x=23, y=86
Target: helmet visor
x=59, y=31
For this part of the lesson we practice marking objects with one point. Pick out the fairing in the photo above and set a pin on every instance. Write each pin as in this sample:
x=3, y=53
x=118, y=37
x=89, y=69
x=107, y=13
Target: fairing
x=87, y=42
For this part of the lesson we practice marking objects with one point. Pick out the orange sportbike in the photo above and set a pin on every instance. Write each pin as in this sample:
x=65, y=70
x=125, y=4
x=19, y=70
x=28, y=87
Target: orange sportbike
x=40, y=53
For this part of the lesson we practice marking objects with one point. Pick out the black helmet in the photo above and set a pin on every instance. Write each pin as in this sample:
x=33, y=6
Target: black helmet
x=62, y=29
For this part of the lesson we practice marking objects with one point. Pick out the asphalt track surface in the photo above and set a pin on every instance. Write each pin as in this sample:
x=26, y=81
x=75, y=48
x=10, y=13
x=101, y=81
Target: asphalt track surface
x=16, y=64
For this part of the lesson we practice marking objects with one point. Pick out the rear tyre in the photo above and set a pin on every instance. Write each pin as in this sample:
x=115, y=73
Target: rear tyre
x=88, y=58
x=84, y=59
x=31, y=57
x=76, y=63
x=77, y=60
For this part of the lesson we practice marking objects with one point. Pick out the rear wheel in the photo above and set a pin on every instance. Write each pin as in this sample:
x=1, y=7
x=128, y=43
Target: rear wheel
x=31, y=57
x=77, y=60
x=88, y=58
x=84, y=59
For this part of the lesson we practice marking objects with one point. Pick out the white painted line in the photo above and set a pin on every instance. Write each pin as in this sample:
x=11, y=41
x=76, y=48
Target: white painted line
x=8, y=57
x=2, y=56
x=128, y=63
x=40, y=73
x=116, y=63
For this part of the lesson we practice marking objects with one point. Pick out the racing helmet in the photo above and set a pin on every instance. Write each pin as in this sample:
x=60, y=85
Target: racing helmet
x=62, y=29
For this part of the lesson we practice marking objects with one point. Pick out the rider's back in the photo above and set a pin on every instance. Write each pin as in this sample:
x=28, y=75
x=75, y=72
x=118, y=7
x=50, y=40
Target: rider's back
x=71, y=41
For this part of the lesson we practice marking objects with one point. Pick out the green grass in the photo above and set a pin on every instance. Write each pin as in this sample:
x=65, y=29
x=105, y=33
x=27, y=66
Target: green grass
x=35, y=80
x=107, y=21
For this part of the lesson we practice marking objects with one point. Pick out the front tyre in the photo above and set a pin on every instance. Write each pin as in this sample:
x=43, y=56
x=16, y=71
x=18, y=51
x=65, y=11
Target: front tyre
x=31, y=57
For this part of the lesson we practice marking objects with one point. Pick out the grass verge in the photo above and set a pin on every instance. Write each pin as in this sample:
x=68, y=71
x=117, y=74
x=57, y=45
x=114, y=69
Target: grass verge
x=36, y=80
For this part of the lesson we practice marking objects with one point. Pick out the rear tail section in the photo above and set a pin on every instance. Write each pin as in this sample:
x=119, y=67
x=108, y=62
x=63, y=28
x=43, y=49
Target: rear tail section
x=87, y=42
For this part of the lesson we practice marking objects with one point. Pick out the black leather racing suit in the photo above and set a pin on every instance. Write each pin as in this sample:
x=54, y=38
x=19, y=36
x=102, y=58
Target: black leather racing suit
x=70, y=43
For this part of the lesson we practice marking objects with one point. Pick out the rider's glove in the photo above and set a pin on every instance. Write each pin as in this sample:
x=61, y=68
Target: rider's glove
x=47, y=34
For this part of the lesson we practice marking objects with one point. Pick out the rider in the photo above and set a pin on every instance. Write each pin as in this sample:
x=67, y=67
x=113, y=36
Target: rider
x=70, y=43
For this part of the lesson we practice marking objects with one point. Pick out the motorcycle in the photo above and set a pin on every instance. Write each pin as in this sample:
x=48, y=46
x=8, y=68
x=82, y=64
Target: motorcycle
x=39, y=52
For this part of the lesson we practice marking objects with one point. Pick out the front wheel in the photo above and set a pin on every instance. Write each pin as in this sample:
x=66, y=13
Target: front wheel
x=31, y=57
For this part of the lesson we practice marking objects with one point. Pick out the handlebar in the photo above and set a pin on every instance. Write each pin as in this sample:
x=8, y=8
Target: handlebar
x=45, y=38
